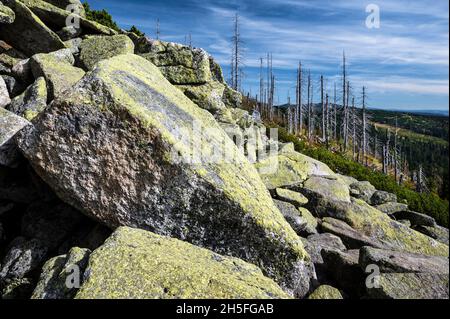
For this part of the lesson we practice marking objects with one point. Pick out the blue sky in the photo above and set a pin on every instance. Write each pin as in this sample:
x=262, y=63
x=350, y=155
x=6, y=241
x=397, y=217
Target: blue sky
x=404, y=64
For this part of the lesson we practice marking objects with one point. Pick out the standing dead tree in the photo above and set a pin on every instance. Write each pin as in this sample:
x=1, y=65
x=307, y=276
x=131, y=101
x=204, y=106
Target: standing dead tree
x=236, y=55
x=364, y=127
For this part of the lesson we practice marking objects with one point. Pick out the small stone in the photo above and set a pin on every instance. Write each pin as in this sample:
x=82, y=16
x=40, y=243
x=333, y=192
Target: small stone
x=382, y=197
x=326, y=292
x=292, y=197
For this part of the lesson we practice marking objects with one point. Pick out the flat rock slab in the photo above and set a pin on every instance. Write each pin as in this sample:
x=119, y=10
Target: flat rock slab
x=142, y=265
x=392, y=208
x=416, y=219
x=411, y=286
x=292, y=197
x=439, y=233
x=329, y=187
x=399, y=262
x=352, y=238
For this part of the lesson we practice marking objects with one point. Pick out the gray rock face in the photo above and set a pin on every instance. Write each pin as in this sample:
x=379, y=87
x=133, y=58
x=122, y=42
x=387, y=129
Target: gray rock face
x=411, y=286
x=292, y=216
x=114, y=152
x=343, y=268
x=27, y=33
x=351, y=237
x=10, y=124
x=398, y=262
x=328, y=187
x=439, y=233
x=15, y=87
x=22, y=70
x=392, y=207
x=4, y=94
x=382, y=197
x=22, y=258
x=315, y=243
x=55, y=275
x=31, y=102
x=415, y=218
x=57, y=70
x=364, y=189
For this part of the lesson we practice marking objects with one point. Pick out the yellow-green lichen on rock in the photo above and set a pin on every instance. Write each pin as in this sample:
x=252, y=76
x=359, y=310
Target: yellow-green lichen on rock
x=97, y=48
x=375, y=224
x=59, y=74
x=31, y=102
x=289, y=169
x=132, y=126
x=326, y=292
x=136, y=264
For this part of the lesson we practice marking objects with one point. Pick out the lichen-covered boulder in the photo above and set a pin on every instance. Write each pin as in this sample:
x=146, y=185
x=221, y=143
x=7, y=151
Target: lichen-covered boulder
x=316, y=242
x=58, y=17
x=292, y=216
x=208, y=96
x=17, y=289
x=181, y=65
x=28, y=33
x=4, y=94
x=143, y=265
x=392, y=207
x=10, y=124
x=364, y=189
x=351, y=237
x=74, y=6
x=399, y=262
x=326, y=292
x=292, y=197
x=439, y=233
x=410, y=286
x=31, y=102
x=289, y=169
x=382, y=197
x=97, y=48
x=117, y=147
x=416, y=219
x=59, y=74
x=7, y=16
x=328, y=187
x=380, y=228
x=55, y=281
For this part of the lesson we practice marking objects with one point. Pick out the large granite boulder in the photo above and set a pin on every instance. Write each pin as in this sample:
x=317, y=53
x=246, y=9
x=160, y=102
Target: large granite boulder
x=399, y=262
x=439, y=233
x=116, y=146
x=410, y=286
x=97, y=48
x=143, y=265
x=57, y=70
x=416, y=219
x=180, y=64
x=74, y=6
x=57, y=17
x=363, y=190
x=28, y=33
x=289, y=169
